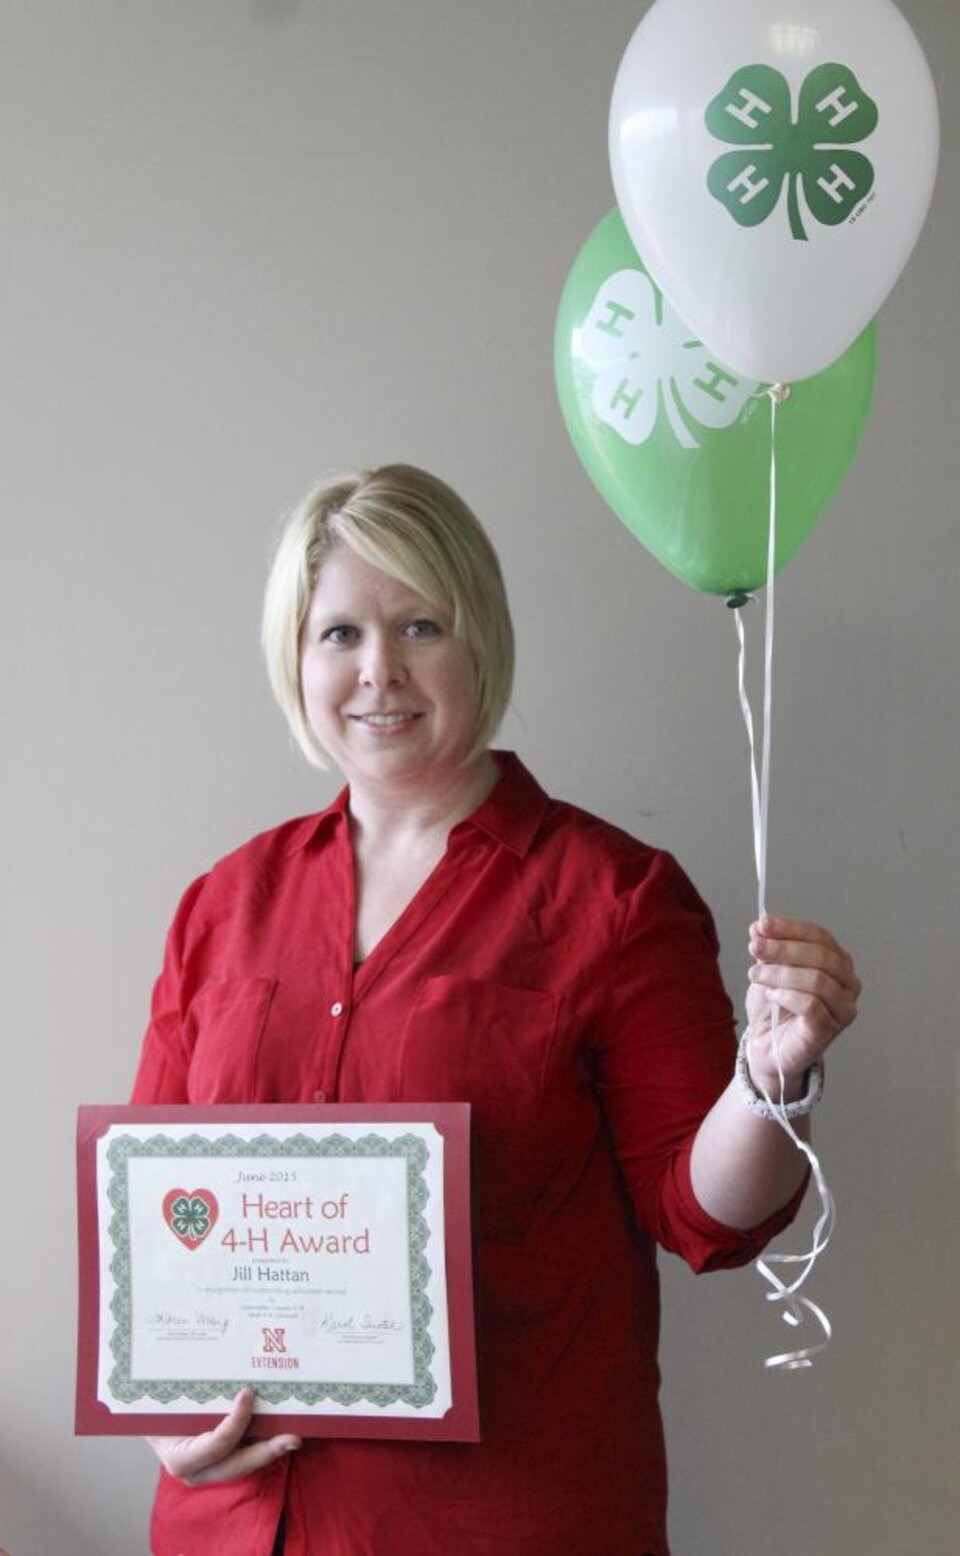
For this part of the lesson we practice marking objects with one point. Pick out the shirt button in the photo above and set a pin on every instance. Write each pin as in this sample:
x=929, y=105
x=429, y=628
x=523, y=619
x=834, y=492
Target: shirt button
x=319, y=1096
x=336, y=1009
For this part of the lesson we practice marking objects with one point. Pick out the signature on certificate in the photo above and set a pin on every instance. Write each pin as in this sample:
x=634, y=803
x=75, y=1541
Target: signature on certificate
x=359, y=1324
x=189, y=1324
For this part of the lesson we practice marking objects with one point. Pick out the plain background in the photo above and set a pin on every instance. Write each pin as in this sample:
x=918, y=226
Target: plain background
x=247, y=241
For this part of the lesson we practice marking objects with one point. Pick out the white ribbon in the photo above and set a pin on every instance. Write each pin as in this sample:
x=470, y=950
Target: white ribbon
x=795, y=1307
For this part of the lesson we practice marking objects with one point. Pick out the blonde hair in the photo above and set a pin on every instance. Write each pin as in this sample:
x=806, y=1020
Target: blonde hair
x=414, y=527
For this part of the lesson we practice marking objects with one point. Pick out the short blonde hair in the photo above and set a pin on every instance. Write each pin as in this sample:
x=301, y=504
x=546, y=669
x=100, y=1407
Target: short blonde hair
x=414, y=527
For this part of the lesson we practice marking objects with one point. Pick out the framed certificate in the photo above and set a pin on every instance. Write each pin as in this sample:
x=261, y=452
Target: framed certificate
x=320, y=1254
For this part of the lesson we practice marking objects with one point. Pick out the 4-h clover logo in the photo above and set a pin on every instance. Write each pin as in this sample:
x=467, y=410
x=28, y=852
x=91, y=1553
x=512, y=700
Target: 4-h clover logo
x=190, y=1214
x=645, y=358
x=754, y=111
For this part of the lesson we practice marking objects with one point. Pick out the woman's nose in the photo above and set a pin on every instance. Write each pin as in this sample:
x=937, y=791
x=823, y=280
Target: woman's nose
x=383, y=663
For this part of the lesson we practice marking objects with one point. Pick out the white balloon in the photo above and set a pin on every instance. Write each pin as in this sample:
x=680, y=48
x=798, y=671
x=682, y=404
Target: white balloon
x=777, y=228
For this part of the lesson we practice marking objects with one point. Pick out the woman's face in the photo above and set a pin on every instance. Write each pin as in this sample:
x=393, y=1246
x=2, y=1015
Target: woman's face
x=388, y=690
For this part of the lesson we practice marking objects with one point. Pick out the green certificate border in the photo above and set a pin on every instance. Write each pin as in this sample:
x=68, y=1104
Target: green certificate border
x=128, y=1389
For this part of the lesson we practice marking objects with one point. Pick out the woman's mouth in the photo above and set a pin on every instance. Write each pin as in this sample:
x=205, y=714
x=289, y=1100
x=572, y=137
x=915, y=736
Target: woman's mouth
x=385, y=721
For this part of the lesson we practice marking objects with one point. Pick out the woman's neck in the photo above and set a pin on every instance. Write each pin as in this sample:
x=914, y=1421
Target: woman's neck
x=388, y=819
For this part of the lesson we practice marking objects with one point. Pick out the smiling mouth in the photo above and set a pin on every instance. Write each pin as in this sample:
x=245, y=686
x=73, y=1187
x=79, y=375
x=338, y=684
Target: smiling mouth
x=384, y=720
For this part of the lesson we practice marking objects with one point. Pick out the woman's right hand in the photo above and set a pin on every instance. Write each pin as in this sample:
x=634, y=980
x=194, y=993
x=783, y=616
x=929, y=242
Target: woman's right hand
x=221, y=1454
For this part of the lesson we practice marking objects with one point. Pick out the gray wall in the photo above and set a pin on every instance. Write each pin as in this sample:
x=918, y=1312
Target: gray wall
x=244, y=241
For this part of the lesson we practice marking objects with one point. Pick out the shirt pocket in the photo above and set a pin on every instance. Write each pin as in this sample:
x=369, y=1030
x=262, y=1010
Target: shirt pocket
x=467, y=1040
x=227, y=1020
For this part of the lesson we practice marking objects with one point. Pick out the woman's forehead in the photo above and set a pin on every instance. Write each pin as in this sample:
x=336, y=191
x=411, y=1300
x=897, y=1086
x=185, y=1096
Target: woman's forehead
x=346, y=579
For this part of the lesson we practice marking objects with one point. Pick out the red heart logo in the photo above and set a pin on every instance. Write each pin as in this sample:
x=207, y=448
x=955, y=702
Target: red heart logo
x=191, y=1214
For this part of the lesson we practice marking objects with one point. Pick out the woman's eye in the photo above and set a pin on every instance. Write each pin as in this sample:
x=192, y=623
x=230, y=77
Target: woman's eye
x=421, y=628
x=338, y=636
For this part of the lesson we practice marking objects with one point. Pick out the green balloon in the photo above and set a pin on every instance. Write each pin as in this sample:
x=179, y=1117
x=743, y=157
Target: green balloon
x=677, y=443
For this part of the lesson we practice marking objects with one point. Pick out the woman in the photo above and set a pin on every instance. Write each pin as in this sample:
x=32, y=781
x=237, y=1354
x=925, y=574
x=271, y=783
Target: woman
x=444, y=930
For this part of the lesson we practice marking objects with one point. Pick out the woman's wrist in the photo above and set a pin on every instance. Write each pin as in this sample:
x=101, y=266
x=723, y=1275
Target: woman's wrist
x=797, y=1093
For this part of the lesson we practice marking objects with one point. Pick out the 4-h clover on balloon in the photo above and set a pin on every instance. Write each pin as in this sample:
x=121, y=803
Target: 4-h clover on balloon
x=754, y=110
x=774, y=165
x=647, y=362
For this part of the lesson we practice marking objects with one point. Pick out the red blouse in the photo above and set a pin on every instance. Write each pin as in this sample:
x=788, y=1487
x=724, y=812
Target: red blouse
x=562, y=978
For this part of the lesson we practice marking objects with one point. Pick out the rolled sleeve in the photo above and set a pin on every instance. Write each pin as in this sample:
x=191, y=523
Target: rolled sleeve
x=664, y=1054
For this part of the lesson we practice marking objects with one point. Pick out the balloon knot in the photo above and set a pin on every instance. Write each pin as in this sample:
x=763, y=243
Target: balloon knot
x=738, y=599
x=779, y=392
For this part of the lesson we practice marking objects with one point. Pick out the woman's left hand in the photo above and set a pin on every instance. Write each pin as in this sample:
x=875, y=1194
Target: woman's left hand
x=801, y=969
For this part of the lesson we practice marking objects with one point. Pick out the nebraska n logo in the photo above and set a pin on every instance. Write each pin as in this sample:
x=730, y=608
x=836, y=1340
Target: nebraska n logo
x=274, y=1340
x=754, y=111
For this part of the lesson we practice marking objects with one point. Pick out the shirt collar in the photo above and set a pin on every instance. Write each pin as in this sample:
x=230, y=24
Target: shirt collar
x=511, y=813
x=324, y=823
x=513, y=810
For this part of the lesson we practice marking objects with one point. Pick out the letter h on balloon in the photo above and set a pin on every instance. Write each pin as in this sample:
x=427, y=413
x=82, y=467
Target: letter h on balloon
x=835, y=101
x=834, y=187
x=720, y=382
x=617, y=312
x=750, y=104
x=750, y=185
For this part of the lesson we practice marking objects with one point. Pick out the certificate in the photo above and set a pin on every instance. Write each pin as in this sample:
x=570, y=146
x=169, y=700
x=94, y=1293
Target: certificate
x=319, y=1254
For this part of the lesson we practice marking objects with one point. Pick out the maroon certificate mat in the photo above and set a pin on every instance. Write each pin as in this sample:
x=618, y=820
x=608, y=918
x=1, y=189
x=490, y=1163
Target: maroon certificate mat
x=320, y=1254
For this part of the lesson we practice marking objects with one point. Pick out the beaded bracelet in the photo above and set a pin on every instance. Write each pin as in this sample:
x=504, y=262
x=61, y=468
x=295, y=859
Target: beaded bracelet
x=758, y=1103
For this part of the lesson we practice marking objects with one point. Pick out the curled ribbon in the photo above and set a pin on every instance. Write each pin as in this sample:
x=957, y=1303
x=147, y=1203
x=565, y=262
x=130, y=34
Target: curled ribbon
x=795, y=1306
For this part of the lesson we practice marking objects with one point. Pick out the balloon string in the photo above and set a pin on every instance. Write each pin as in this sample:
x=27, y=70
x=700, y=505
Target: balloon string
x=795, y=1307
x=768, y=664
x=748, y=720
